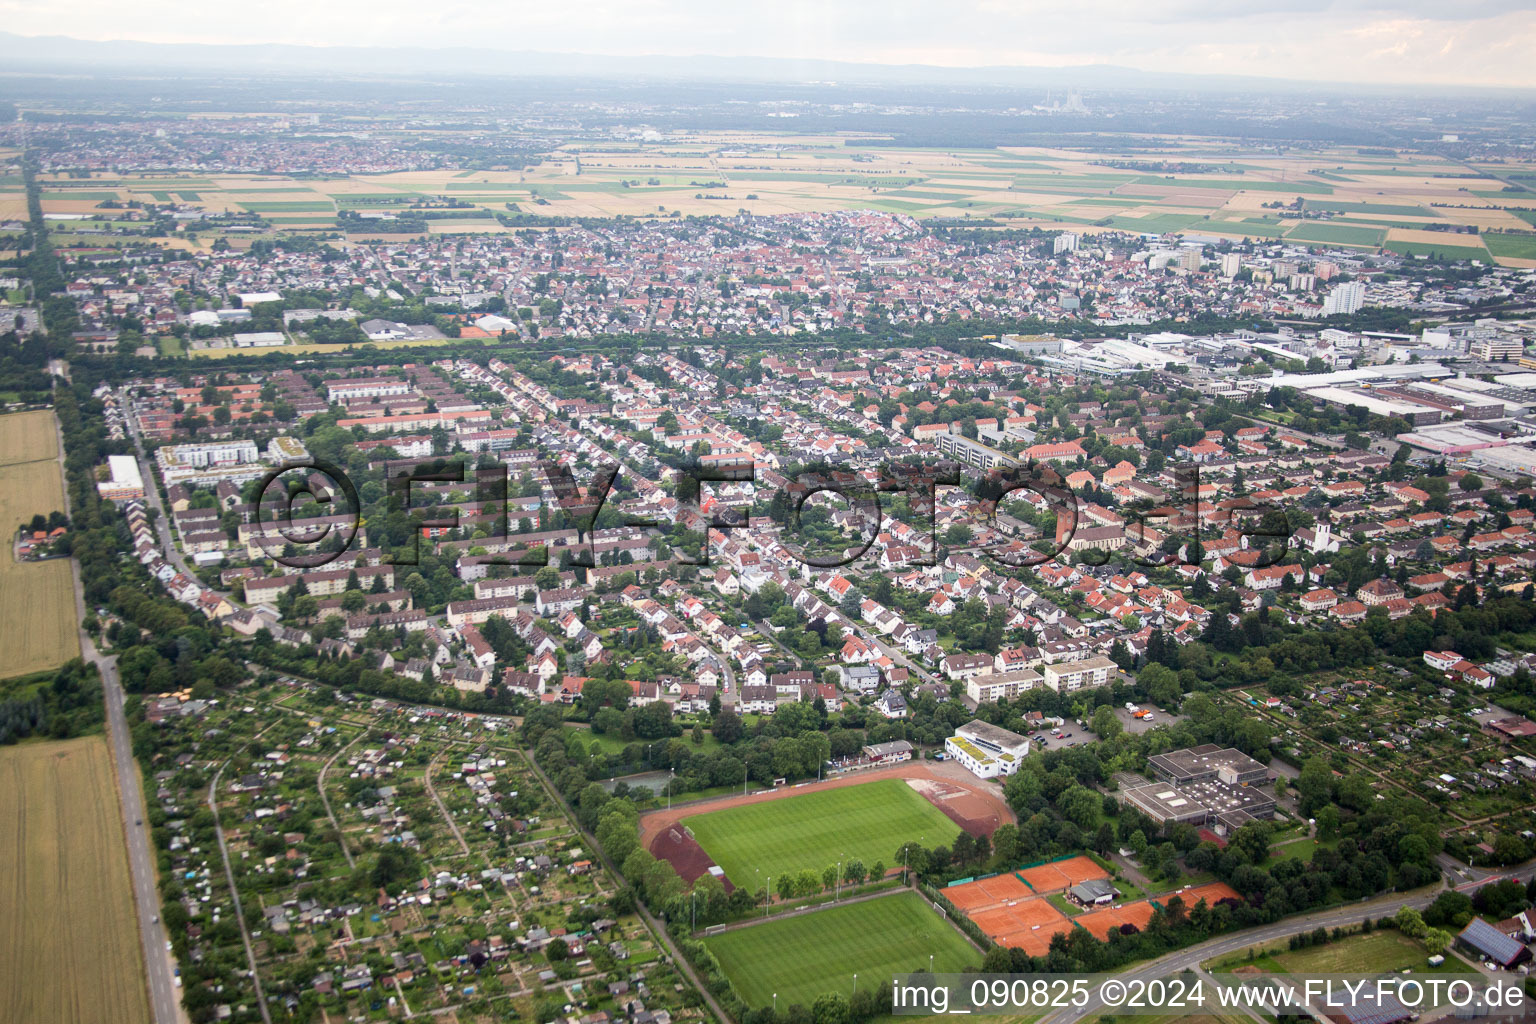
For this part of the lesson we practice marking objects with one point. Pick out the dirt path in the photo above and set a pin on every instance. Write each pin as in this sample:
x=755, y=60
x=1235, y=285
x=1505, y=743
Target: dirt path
x=974, y=805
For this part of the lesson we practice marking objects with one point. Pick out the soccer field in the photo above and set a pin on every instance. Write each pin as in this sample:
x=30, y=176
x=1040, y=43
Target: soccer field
x=865, y=823
x=802, y=957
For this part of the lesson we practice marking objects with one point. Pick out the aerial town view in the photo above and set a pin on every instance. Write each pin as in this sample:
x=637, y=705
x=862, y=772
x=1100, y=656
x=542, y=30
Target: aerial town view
x=805, y=516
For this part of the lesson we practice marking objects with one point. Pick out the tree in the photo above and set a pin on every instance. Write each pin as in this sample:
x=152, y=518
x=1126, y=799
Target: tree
x=830, y=1008
x=1104, y=840
x=1104, y=723
x=727, y=727
x=1411, y=923
x=1470, y=482
x=1437, y=941
x=1005, y=843
x=1314, y=786
x=1078, y=805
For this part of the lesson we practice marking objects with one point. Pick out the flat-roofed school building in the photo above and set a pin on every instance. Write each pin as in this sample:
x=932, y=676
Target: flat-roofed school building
x=986, y=750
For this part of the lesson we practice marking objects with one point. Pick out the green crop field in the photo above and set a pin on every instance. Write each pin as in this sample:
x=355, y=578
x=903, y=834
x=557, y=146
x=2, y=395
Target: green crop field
x=1384, y=209
x=1336, y=234
x=868, y=822
x=1449, y=251
x=802, y=957
x=1519, y=246
x=294, y=206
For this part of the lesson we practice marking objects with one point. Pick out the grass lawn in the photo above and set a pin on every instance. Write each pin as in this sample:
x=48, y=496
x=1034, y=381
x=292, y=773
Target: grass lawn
x=1382, y=951
x=802, y=957
x=1297, y=849
x=610, y=743
x=1063, y=904
x=866, y=822
x=1379, y=952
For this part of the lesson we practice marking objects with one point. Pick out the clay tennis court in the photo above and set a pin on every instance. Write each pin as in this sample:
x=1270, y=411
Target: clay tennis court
x=1027, y=924
x=1062, y=874
x=1012, y=909
x=1212, y=893
x=988, y=892
x=1102, y=922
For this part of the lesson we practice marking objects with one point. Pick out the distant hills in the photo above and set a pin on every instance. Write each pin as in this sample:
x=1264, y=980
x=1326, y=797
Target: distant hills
x=62, y=54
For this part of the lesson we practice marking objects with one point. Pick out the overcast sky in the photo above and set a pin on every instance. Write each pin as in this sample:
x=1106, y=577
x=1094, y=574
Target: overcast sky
x=1474, y=42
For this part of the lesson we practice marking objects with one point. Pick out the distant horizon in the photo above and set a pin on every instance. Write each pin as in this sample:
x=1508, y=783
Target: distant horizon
x=1344, y=43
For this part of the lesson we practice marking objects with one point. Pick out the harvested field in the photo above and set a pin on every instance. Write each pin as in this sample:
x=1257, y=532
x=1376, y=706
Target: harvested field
x=69, y=944
x=27, y=437
x=37, y=600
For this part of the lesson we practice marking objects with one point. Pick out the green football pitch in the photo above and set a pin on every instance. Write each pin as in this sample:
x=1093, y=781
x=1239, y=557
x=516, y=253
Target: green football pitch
x=802, y=957
x=868, y=823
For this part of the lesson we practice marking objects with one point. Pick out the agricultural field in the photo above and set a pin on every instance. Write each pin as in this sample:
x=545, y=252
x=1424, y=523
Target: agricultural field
x=867, y=823
x=27, y=437
x=1214, y=189
x=65, y=900
x=801, y=957
x=37, y=600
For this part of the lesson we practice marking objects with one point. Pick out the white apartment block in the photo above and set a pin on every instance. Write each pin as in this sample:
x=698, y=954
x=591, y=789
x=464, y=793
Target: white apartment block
x=1077, y=675
x=1001, y=686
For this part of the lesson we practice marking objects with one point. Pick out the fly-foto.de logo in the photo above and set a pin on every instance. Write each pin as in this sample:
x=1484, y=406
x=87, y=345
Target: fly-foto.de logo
x=1169, y=535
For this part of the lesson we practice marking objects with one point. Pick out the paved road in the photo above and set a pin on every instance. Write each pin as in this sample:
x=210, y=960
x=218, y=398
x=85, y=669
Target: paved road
x=142, y=865
x=163, y=1000
x=152, y=499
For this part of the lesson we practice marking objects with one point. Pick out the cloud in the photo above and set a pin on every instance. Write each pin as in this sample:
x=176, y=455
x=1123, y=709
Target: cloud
x=1476, y=42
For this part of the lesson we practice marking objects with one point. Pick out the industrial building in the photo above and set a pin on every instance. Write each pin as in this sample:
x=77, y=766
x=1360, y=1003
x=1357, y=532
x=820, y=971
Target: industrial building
x=1206, y=785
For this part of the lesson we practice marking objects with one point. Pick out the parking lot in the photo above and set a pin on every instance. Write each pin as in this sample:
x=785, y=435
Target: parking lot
x=1140, y=725
x=1072, y=735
